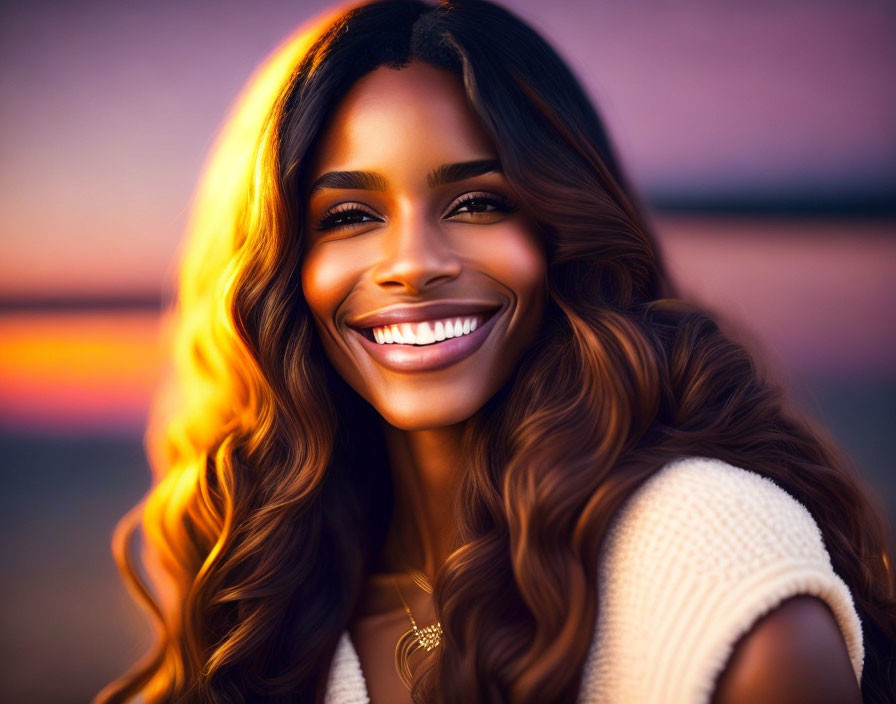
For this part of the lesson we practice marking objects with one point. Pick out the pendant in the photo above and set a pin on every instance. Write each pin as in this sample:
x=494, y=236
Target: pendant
x=413, y=641
x=430, y=637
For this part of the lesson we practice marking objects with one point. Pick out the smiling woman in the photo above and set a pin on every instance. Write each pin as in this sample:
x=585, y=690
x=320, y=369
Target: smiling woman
x=418, y=259
x=444, y=433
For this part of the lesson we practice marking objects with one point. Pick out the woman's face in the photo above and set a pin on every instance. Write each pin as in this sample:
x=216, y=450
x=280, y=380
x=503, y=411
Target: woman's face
x=425, y=280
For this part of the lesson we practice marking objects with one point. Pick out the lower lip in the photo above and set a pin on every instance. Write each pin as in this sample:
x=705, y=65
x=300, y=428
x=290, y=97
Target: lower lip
x=413, y=358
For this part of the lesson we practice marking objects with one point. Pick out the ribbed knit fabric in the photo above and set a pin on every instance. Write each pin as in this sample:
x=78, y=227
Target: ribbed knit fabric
x=699, y=553
x=694, y=558
x=346, y=684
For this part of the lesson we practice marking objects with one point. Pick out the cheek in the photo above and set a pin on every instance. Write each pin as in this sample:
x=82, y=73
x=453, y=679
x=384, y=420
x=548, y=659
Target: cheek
x=324, y=283
x=517, y=261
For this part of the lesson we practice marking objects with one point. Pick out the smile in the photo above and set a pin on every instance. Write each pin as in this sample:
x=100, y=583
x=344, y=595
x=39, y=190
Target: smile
x=427, y=345
x=427, y=332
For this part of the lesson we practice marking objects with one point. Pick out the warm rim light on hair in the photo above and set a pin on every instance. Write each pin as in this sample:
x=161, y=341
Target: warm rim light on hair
x=216, y=391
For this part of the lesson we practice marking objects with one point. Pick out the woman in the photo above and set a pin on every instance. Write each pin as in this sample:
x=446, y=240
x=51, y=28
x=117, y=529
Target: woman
x=441, y=425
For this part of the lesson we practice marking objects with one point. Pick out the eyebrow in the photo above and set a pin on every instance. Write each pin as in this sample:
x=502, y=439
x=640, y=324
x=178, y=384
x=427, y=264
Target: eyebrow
x=372, y=181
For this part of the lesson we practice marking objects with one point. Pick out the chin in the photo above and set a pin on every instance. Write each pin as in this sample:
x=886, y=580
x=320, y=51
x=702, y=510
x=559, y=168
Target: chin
x=426, y=416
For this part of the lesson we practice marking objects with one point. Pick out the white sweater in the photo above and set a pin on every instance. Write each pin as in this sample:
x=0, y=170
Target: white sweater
x=692, y=560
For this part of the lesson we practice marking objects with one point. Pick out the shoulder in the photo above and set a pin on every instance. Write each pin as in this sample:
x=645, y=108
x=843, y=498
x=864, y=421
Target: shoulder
x=706, y=520
x=724, y=522
x=795, y=653
x=696, y=556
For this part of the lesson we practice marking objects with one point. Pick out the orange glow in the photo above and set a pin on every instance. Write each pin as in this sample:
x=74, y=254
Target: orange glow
x=77, y=370
x=216, y=395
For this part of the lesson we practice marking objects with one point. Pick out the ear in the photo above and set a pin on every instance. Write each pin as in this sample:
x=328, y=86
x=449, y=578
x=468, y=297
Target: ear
x=794, y=654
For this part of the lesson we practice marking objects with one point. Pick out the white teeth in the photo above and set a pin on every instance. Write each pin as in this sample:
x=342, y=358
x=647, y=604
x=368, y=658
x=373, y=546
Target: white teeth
x=425, y=332
x=425, y=335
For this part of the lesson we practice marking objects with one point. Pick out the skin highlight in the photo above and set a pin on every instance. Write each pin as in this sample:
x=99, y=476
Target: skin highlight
x=793, y=655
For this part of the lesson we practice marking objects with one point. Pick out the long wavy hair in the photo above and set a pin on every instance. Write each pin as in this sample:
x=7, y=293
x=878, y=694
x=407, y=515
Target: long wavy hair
x=271, y=490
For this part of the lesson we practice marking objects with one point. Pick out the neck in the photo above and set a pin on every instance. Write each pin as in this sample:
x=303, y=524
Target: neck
x=425, y=474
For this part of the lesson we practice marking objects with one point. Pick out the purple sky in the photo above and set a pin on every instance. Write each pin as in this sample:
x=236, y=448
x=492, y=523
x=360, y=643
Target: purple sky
x=108, y=110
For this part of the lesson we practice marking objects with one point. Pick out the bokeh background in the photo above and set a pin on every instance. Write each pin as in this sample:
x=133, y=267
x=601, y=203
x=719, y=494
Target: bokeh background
x=762, y=135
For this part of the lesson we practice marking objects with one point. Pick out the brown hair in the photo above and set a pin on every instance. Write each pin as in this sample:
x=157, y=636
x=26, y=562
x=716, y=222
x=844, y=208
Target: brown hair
x=260, y=527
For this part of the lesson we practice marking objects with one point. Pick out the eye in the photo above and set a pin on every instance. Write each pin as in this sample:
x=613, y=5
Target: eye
x=345, y=215
x=480, y=206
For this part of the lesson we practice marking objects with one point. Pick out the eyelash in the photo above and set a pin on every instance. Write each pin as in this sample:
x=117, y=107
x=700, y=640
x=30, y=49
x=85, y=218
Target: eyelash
x=329, y=219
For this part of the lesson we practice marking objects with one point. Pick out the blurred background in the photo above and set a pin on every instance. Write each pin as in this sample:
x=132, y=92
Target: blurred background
x=762, y=135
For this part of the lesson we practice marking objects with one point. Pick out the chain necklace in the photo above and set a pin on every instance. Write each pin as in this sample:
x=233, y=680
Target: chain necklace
x=415, y=638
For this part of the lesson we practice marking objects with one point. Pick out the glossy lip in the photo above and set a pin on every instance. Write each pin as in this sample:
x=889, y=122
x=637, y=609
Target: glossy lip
x=414, y=358
x=433, y=310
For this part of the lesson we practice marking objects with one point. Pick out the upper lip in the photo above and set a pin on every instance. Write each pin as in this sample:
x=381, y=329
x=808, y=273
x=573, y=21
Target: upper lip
x=422, y=311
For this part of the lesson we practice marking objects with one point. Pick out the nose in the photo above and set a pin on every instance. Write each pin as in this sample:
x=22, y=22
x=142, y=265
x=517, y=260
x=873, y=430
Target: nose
x=415, y=256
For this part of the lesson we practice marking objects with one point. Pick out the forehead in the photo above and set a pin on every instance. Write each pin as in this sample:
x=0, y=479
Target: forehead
x=394, y=118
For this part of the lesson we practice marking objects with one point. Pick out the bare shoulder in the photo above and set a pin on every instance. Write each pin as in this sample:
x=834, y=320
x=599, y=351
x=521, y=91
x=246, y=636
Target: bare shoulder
x=794, y=654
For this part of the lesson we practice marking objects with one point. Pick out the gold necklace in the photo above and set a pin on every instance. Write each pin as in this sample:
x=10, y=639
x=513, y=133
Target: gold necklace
x=415, y=638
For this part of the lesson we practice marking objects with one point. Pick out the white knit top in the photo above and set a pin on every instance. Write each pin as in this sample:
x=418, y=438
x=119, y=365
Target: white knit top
x=695, y=556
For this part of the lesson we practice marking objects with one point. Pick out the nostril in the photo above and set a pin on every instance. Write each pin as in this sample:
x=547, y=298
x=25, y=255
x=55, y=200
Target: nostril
x=423, y=270
x=439, y=278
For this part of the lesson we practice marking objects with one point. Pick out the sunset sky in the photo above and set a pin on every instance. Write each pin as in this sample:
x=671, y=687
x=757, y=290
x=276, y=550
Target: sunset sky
x=108, y=110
